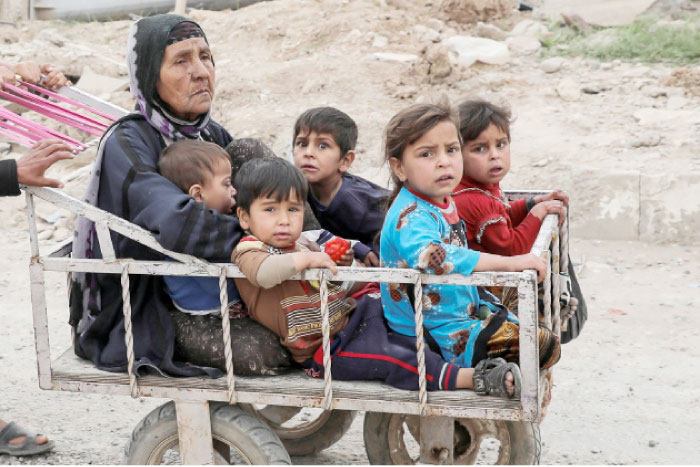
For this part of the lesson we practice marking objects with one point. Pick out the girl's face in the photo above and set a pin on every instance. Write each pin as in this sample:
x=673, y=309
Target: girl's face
x=487, y=158
x=432, y=165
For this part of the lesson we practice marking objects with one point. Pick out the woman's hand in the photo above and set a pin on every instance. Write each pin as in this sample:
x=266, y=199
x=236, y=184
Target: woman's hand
x=32, y=165
x=53, y=78
x=31, y=73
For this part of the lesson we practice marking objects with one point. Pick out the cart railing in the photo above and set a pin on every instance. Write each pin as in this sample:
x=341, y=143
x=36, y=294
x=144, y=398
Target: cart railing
x=302, y=391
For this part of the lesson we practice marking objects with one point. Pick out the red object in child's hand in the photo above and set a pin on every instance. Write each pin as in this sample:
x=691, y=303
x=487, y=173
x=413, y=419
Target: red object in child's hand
x=336, y=248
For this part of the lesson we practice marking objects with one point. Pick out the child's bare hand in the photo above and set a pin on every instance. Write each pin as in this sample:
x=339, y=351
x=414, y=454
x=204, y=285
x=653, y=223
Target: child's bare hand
x=556, y=194
x=530, y=261
x=347, y=258
x=544, y=208
x=314, y=259
x=371, y=260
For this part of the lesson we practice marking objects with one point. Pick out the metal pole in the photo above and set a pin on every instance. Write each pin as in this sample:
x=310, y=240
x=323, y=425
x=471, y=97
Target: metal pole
x=180, y=6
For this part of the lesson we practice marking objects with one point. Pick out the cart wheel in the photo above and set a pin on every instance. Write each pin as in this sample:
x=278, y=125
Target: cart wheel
x=249, y=441
x=304, y=431
x=393, y=439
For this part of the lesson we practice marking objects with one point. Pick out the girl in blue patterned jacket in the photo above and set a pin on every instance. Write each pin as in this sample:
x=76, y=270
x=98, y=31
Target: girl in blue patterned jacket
x=423, y=231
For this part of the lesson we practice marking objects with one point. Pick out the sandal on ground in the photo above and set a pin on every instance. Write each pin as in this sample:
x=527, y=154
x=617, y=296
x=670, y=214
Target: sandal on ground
x=28, y=447
x=490, y=378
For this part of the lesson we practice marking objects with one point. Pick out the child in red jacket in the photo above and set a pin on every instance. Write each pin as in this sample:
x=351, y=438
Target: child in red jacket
x=494, y=224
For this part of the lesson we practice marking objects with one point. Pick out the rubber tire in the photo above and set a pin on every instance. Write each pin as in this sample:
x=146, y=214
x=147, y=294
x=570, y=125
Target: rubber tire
x=325, y=436
x=523, y=435
x=229, y=424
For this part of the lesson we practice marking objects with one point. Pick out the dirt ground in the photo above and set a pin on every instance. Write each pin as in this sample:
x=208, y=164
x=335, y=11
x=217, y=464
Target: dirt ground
x=624, y=392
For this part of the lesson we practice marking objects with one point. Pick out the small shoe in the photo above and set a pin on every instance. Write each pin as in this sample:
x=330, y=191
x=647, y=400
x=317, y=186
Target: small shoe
x=28, y=447
x=490, y=378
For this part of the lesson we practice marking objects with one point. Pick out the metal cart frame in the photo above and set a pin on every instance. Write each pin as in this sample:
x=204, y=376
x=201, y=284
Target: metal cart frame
x=192, y=395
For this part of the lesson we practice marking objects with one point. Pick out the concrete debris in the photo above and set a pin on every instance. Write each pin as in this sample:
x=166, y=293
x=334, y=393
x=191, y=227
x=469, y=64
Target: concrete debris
x=489, y=31
x=465, y=50
x=654, y=91
x=552, y=65
x=439, y=59
x=380, y=42
x=426, y=34
x=530, y=28
x=523, y=45
x=646, y=141
x=392, y=57
x=569, y=90
x=471, y=11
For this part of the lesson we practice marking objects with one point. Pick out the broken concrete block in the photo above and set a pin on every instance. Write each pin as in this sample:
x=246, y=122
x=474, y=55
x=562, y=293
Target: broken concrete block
x=552, y=65
x=465, y=50
x=530, y=28
x=569, y=90
x=523, y=45
x=489, y=31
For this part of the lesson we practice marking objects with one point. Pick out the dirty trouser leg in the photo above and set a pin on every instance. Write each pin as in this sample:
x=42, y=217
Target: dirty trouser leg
x=366, y=350
x=256, y=350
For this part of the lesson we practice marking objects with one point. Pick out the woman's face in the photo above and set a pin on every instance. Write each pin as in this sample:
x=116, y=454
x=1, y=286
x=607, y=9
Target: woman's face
x=186, y=81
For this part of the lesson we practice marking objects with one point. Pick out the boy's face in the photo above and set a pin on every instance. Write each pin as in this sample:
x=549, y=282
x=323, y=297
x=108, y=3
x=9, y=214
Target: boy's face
x=487, y=158
x=277, y=223
x=216, y=192
x=318, y=157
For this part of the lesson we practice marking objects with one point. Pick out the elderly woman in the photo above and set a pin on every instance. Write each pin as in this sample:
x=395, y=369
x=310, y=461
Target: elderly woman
x=172, y=79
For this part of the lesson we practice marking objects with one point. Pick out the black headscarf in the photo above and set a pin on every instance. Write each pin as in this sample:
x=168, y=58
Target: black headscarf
x=145, y=49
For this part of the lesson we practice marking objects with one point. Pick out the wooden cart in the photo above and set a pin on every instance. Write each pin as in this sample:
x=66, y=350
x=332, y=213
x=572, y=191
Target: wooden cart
x=448, y=426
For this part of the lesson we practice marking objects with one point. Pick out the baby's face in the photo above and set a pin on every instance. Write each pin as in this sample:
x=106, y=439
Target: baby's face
x=487, y=158
x=217, y=192
x=275, y=222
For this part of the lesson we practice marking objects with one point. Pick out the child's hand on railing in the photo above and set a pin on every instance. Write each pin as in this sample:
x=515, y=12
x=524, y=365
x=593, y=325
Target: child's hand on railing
x=554, y=195
x=371, y=260
x=530, y=261
x=313, y=259
x=541, y=210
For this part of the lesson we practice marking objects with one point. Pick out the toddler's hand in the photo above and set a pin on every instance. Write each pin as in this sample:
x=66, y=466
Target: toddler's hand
x=314, y=259
x=530, y=261
x=556, y=194
x=347, y=258
x=371, y=260
x=549, y=207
